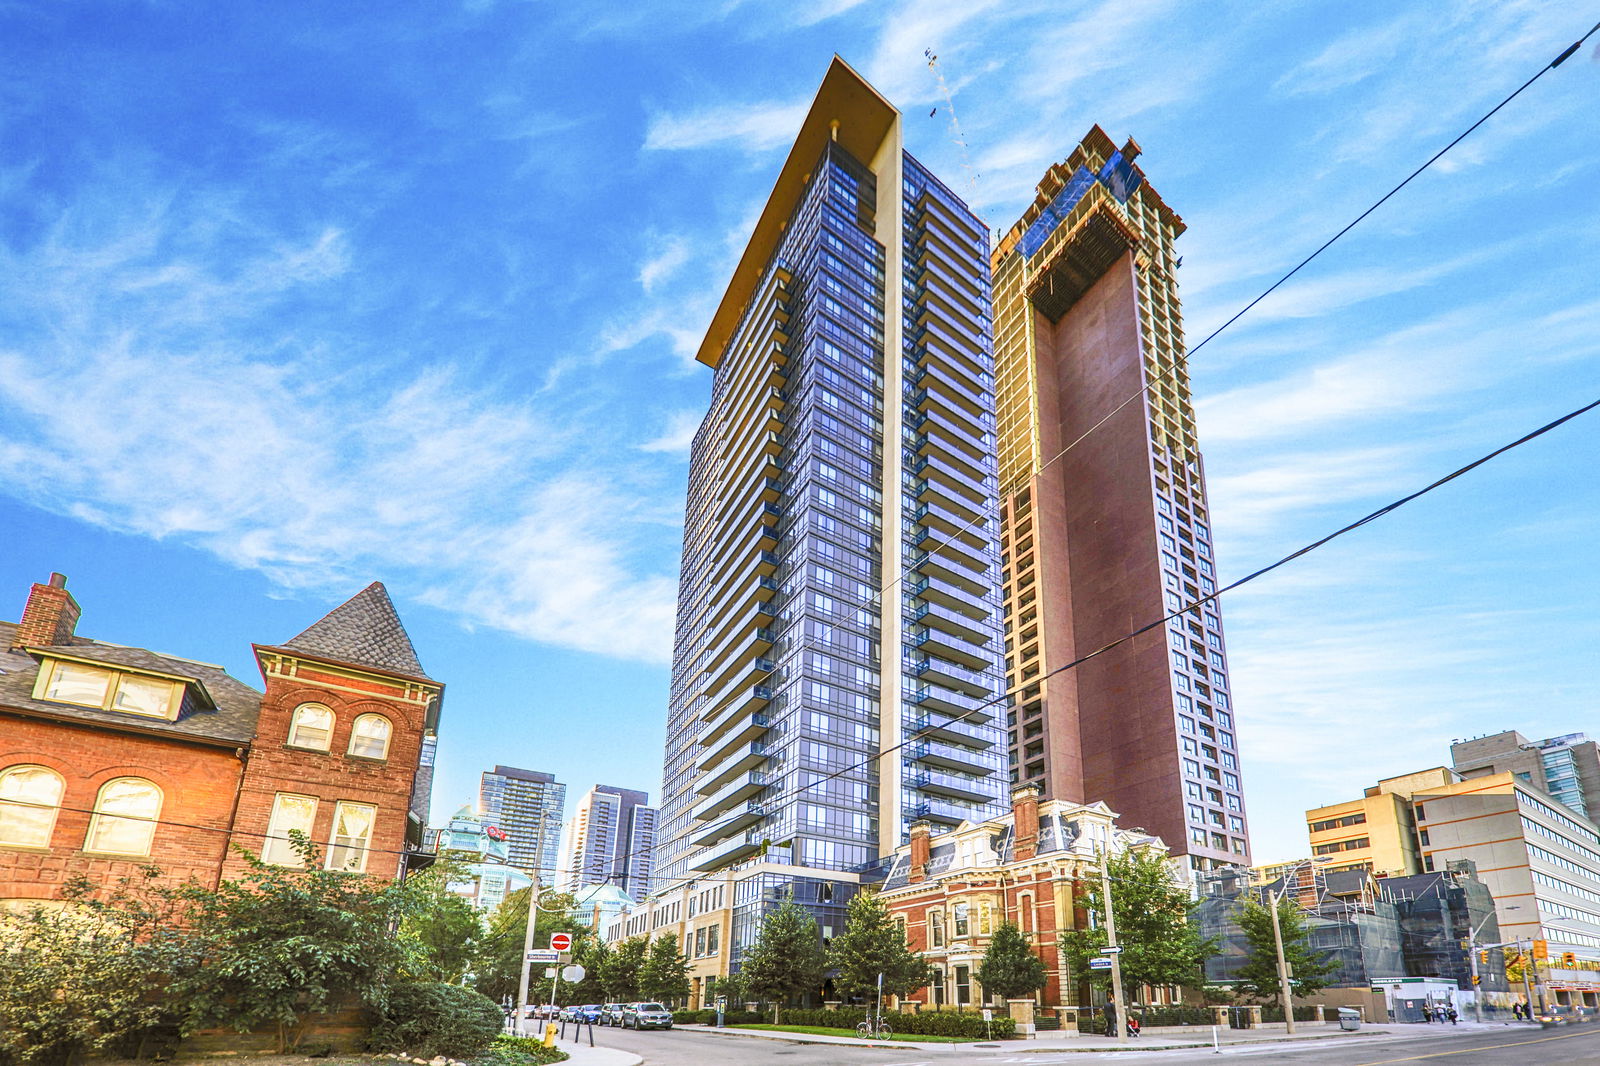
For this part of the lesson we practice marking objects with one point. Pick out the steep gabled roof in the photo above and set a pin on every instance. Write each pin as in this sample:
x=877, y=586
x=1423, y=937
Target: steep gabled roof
x=362, y=631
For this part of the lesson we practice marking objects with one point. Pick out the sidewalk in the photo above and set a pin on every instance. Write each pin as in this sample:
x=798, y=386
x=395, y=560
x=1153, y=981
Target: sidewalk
x=581, y=1054
x=1058, y=1042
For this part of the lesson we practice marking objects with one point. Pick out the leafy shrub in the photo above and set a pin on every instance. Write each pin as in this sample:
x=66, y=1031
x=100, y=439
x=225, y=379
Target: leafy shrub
x=519, y=1051
x=428, y=1018
x=967, y=1025
x=708, y=1016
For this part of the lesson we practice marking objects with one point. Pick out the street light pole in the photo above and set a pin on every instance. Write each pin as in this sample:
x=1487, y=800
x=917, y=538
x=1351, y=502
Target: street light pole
x=1472, y=958
x=1283, y=967
x=1121, y=1022
x=527, y=936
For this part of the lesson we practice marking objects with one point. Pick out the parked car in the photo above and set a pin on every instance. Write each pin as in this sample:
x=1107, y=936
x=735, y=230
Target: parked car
x=589, y=1012
x=646, y=1016
x=610, y=1014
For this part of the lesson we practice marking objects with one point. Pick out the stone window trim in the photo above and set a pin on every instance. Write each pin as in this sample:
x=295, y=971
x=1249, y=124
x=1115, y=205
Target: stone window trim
x=127, y=811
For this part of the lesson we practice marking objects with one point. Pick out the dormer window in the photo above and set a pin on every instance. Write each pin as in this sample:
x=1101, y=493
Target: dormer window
x=312, y=727
x=91, y=685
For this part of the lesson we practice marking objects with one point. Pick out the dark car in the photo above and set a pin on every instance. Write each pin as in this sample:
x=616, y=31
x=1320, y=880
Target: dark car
x=589, y=1012
x=646, y=1016
x=610, y=1014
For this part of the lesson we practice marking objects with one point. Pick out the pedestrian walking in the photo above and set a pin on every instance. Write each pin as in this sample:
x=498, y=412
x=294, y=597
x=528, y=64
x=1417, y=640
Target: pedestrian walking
x=1111, y=1019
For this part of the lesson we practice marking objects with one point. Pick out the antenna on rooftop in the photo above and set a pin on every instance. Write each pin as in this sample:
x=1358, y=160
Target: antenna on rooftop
x=955, y=125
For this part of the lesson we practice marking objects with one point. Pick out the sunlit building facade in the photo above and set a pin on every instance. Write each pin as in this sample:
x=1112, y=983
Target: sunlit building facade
x=1105, y=521
x=837, y=659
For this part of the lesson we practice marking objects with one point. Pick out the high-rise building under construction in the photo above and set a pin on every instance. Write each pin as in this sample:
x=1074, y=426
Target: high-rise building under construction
x=1105, y=523
x=837, y=652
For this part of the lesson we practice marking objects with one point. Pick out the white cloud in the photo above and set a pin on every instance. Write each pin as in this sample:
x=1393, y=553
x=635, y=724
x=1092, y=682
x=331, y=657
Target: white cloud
x=673, y=253
x=154, y=391
x=754, y=127
x=678, y=435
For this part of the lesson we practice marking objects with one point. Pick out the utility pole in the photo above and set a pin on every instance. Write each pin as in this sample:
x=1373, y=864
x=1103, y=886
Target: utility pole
x=1283, y=966
x=1121, y=1021
x=527, y=937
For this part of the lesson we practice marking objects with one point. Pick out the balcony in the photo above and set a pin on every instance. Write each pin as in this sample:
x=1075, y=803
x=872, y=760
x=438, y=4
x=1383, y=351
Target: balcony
x=730, y=762
x=947, y=448
x=947, y=566
x=735, y=651
x=954, y=550
x=723, y=741
x=934, y=376
x=938, y=698
x=954, y=622
x=940, y=672
x=954, y=757
x=955, y=597
x=937, y=727
x=932, y=810
x=743, y=787
x=741, y=818
x=729, y=851
x=934, y=642
x=961, y=492
x=936, y=783
x=754, y=671
x=930, y=401
x=935, y=516
x=718, y=718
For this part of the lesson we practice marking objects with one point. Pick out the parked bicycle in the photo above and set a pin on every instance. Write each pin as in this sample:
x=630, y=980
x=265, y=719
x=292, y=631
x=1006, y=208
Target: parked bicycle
x=874, y=1028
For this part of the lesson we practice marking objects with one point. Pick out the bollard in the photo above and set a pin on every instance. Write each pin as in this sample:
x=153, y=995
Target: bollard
x=591, y=1033
x=1215, y=1050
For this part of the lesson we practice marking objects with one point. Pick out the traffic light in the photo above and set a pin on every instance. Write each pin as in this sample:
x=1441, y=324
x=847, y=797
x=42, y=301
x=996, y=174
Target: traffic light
x=1541, y=950
x=1476, y=979
x=1569, y=960
x=1483, y=957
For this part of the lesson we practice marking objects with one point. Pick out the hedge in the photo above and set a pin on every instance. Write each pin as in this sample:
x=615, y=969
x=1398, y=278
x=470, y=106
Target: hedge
x=965, y=1024
x=708, y=1016
x=429, y=1018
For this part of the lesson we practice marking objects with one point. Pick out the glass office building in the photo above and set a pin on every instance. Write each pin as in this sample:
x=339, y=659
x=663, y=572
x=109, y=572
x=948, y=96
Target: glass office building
x=837, y=669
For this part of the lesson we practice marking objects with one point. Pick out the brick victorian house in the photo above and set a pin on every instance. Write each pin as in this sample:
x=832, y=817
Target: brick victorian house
x=1031, y=867
x=114, y=757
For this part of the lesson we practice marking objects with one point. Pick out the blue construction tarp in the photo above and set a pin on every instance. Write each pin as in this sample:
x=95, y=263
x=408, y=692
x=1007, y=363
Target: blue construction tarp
x=1119, y=178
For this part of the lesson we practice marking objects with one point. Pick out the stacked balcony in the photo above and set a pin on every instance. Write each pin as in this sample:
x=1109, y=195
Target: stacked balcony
x=742, y=786
x=730, y=850
x=939, y=783
x=742, y=817
x=728, y=737
x=943, y=811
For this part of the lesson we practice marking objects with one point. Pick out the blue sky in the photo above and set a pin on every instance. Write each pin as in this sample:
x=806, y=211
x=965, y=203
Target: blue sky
x=298, y=296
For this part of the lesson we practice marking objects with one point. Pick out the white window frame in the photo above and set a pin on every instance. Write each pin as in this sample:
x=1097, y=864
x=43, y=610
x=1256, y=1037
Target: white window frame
x=337, y=850
x=19, y=840
x=294, y=727
x=103, y=822
x=276, y=849
x=355, y=734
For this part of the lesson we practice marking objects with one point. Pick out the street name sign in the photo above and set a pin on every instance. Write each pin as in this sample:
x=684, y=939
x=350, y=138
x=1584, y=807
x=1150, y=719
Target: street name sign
x=1099, y=964
x=543, y=956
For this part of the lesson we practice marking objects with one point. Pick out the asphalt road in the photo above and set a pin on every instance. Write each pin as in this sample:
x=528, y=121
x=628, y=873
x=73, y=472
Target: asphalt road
x=1411, y=1046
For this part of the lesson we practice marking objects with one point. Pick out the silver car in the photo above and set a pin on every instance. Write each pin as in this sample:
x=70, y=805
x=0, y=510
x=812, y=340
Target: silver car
x=646, y=1016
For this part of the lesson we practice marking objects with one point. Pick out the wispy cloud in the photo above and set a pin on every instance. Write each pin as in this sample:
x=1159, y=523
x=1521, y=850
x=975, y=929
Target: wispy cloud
x=758, y=127
x=670, y=256
x=149, y=387
x=678, y=435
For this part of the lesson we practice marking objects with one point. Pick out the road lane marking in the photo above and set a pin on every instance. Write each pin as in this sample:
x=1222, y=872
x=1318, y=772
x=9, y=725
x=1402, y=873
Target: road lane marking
x=1468, y=1051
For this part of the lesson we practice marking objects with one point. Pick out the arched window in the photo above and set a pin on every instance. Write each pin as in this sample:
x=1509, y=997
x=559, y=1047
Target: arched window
x=311, y=727
x=369, y=737
x=125, y=815
x=29, y=799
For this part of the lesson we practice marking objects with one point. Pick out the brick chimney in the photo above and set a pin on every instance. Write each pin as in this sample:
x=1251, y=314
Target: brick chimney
x=50, y=617
x=919, y=852
x=1024, y=822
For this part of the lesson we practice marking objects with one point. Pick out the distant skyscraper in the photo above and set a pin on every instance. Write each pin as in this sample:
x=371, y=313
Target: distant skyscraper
x=848, y=447
x=1116, y=532
x=529, y=806
x=611, y=839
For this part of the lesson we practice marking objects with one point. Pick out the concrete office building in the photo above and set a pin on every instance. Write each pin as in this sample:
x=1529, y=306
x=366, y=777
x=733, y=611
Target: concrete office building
x=1540, y=861
x=1567, y=767
x=611, y=839
x=848, y=449
x=528, y=805
x=1106, y=526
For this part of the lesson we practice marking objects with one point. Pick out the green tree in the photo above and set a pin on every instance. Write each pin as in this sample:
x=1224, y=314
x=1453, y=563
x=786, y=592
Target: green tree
x=90, y=976
x=441, y=934
x=732, y=988
x=873, y=943
x=622, y=969
x=1010, y=969
x=279, y=944
x=498, y=969
x=1160, y=944
x=590, y=952
x=1258, y=977
x=665, y=973
x=786, y=961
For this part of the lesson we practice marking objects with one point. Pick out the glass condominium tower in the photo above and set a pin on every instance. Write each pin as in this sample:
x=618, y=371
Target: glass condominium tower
x=1105, y=522
x=837, y=642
